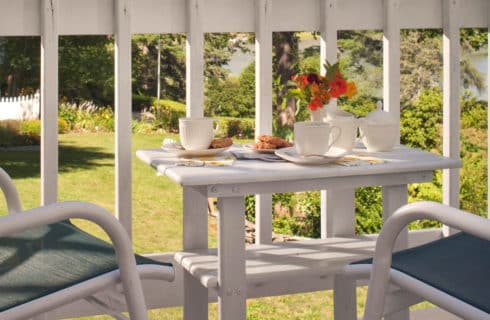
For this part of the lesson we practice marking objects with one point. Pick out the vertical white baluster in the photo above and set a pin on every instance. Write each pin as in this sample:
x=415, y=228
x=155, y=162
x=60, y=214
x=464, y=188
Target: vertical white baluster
x=194, y=60
x=122, y=100
x=49, y=101
x=391, y=57
x=395, y=195
x=451, y=113
x=263, y=108
x=337, y=206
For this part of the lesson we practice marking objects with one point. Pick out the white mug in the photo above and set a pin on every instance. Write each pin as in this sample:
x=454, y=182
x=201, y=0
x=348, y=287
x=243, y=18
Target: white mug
x=197, y=133
x=312, y=138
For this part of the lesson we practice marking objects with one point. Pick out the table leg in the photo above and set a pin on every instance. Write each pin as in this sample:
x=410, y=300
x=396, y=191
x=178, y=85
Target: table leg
x=195, y=234
x=231, y=256
x=393, y=198
x=338, y=219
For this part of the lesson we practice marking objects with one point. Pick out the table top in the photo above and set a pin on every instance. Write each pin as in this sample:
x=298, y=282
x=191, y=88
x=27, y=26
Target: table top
x=401, y=159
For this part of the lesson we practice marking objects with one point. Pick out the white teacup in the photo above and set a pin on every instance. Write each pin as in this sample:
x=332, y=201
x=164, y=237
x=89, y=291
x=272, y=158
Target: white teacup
x=312, y=138
x=197, y=133
x=348, y=127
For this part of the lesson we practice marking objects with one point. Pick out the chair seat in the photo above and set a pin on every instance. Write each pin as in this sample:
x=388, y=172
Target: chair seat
x=44, y=260
x=457, y=265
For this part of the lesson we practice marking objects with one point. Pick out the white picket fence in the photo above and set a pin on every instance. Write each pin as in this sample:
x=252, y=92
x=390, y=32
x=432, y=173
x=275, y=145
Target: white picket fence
x=20, y=108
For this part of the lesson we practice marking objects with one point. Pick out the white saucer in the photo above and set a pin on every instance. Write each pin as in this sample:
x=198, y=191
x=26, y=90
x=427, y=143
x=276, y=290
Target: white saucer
x=251, y=147
x=179, y=151
x=290, y=154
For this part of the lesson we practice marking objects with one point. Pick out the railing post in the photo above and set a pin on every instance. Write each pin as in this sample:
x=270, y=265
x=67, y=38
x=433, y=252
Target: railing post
x=263, y=108
x=393, y=196
x=122, y=101
x=49, y=101
x=451, y=113
x=194, y=60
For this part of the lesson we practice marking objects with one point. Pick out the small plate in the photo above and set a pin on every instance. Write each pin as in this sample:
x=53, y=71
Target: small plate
x=179, y=151
x=290, y=154
x=251, y=147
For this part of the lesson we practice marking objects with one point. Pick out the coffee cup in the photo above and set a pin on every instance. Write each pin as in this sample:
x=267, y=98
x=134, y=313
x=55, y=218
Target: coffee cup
x=197, y=133
x=314, y=138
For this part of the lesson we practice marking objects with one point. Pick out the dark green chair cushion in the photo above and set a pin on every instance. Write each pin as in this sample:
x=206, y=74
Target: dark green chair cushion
x=44, y=260
x=458, y=265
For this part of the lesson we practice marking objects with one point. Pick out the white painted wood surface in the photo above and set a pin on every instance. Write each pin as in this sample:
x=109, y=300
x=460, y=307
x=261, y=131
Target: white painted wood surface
x=231, y=259
x=49, y=101
x=230, y=183
x=123, y=114
x=391, y=58
x=288, y=260
x=195, y=235
x=195, y=17
x=22, y=17
x=194, y=59
x=263, y=108
x=401, y=162
x=451, y=108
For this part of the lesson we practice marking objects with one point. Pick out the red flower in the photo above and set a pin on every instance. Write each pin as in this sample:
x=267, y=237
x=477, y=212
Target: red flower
x=338, y=87
x=315, y=103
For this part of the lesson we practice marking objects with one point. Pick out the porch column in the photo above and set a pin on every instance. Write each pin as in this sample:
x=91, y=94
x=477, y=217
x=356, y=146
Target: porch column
x=49, y=101
x=194, y=60
x=122, y=101
x=263, y=108
x=451, y=112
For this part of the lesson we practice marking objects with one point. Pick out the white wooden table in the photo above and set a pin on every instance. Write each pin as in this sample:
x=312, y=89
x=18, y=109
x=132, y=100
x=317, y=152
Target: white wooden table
x=226, y=271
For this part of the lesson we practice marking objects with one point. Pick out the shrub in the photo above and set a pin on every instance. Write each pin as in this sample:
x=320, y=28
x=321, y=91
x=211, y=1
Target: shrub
x=11, y=134
x=141, y=102
x=237, y=127
x=62, y=125
x=86, y=116
x=167, y=115
x=30, y=127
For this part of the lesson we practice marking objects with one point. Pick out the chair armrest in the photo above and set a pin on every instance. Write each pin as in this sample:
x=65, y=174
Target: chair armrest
x=380, y=275
x=59, y=211
x=10, y=192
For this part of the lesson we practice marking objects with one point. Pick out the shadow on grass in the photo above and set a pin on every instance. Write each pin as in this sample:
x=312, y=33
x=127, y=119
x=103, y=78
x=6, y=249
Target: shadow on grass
x=26, y=164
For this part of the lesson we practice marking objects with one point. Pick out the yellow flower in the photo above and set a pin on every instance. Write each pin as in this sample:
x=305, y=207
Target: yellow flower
x=351, y=89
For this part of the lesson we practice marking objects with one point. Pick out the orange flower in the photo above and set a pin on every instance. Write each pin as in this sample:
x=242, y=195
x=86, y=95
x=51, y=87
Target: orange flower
x=317, y=90
x=325, y=96
x=338, y=87
x=314, y=88
x=351, y=89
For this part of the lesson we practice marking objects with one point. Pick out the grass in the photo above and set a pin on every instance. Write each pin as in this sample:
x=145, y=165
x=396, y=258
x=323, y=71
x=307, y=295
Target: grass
x=87, y=173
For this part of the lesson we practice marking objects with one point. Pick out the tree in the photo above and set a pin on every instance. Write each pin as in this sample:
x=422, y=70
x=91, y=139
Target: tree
x=86, y=69
x=285, y=64
x=172, y=65
x=19, y=65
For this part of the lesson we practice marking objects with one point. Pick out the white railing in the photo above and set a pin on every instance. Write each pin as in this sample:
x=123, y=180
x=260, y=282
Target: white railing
x=20, y=108
x=52, y=18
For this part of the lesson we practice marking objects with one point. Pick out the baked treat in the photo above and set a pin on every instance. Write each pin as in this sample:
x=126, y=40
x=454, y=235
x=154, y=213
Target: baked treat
x=271, y=142
x=262, y=145
x=221, y=143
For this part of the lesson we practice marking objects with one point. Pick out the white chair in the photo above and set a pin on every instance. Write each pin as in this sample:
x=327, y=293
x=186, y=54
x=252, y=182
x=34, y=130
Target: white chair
x=47, y=262
x=452, y=273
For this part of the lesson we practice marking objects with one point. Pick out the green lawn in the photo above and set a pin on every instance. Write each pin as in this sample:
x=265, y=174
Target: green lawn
x=87, y=173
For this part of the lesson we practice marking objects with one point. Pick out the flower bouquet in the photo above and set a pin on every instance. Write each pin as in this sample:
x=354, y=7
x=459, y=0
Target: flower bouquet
x=318, y=90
